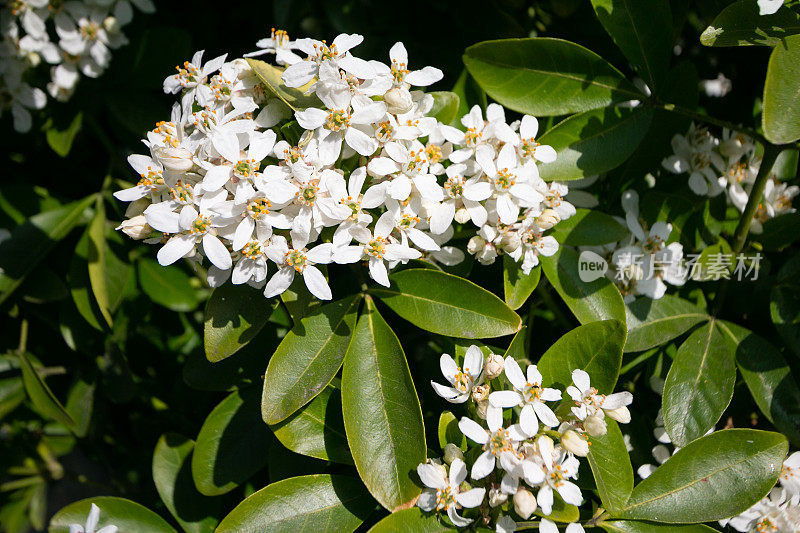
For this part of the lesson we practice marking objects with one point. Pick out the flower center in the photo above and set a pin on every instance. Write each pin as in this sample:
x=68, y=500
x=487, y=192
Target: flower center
x=292, y=155
x=337, y=119
x=182, y=192
x=322, y=52
x=504, y=179
x=529, y=146
x=444, y=498
x=307, y=195
x=152, y=179
x=531, y=393
x=252, y=250
x=463, y=380
x=498, y=442
x=258, y=208
x=556, y=476
x=399, y=71
x=416, y=163
x=296, y=259
x=384, y=131
x=354, y=205
x=434, y=153
x=245, y=168
x=472, y=136
x=653, y=244
x=89, y=31
x=737, y=172
x=408, y=221
x=376, y=247
x=280, y=38
x=200, y=226
x=188, y=75
x=454, y=187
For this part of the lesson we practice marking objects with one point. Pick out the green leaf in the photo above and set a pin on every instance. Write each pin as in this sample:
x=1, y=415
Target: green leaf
x=611, y=467
x=61, y=140
x=12, y=393
x=780, y=231
x=33, y=240
x=781, y=117
x=232, y=444
x=172, y=475
x=234, y=315
x=308, y=358
x=125, y=514
x=382, y=415
x=633, y=526
x=518, y=286
x=699, y=384
x=80, y=286
x=653, y=323
x=594, y=142
x=97, y=253
x=41, y=395
x=80, y=404
x=702, y=482
x=295, y=98
x=595, y=347
x=412, y=520
x=449, y=305
x=595, y=300
x=321, y=503
x=298, y=299
x=317, y=429
x=769, y=379
x=784, y=309
x=589, y=227
x=445, y=106
x=546, y=77
x=638, y=28
x=516, y=348
x=740, y=24
x=168, y=286
x=448, y=432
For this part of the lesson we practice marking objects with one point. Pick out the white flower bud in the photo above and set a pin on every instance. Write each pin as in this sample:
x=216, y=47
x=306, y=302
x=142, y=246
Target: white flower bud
x=480, y=392
x=452, y=452
x=510, y=242
x=524, y=503
x=175, y=159
x=575, y=443
x=111, y=24
x=481, y=409
x=547, y=219
x=493, y=366
x=487, y=255
x=398, y=101
x=136, y=227
x=620, y=414
x=33, y=59
x=475, y=244
x=137, y=207
x=462, y=215
x=497, y=497
x=595, y=425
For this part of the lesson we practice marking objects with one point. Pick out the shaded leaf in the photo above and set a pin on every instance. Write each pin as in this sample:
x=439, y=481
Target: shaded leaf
x=168, y=286
x=61, y=140
x=125, y=514
x=234, y=315
x=412, y=520
x=740, y=24
x=41, y=395
x=270, y=76
x=518, y=286
x=611, y=467
x=445, y=106
x=80, y=405
x=448, y=431
x=634, y=526
x=652, y=323
x=781, y=116
x=588, y=227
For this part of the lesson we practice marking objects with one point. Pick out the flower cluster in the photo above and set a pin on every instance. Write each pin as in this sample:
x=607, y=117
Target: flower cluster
x=538, y=453
x=74, y=37
x=642, y=263
x=728, y=165
x=367, y=176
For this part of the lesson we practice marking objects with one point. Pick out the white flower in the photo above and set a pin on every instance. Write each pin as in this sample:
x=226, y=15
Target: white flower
x=190, y=228
x=589, y=403
x=461, y=381
x=559, y=468
x=443, y=490
x=399, y=75
x=497, y=441
x=460, y=193
x=299, y=260
x=91, y=524
x=319, y=53
x=529, y=394
x=660, y=453
x=191, y=75
x=21, y=98
x=768, y=7
x=790, y=473
x=277, y=43
x=695, y=154
x=511, y=181
x=778, y=512
x=546, y=526
x=528, y=148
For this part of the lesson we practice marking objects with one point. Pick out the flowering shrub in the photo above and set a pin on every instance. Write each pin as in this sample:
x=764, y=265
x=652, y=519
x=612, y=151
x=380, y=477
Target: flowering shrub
x=558, y=297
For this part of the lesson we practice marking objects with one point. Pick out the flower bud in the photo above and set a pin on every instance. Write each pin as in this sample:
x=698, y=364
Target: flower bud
x=452, y=452
x=137, y=207
x=462, y=215
x=547, y=219
x=493, y=366
x=510, y=242
x=136, y=227
x=497, y=497
x=475, y=244
x=33, y=59
x=595, y=425
x=398, y=101
x=482, y=408
x=575, y=443
x=620, y=414
x=175, y=159
x=480, y=392
x=524, y=503
x=111, y=25
x=487, y=255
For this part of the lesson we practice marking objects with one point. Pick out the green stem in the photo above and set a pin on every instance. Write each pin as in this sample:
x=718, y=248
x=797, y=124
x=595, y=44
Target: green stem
x=23, y=336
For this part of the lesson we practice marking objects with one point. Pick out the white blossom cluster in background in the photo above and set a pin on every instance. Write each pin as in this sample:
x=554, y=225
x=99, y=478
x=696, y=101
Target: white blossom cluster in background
x=524, y=462
x=641, y=264
x=728, y=165
x=73, y=37
x=372, y=178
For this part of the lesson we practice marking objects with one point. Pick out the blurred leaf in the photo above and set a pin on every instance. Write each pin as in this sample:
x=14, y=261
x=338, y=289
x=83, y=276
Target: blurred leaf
x=168, y=286
x=633, y=526
x=779, y=232
x=740, y=24
x=445, y=106
x=611, y=467
x=99, y=274
x=784, y=304
x=588, y=227
x=544, y=76
x=270, y=76
x=413, y=520
x=44, y=285
x=781, y=117
x=12, y=393
x=653, y=323
x=518, y=286
x=41, y=395
x=234, y=315
x=382, y=414
x=61, y=140
x=125, y=514
x=80, y=286
x=448, y=305
x=80, y=405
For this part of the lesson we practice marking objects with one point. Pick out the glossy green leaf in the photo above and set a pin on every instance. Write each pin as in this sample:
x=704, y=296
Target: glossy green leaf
x=611, y=467
x=232, y=444
x=740, y=24
x=784, y=308
x=97, y=253
x=317, y=429
x=295, y=98
x=80, y=405
x=307, y=359
x=545, y=77
x=518, y=286
x=298, y=299
x=635, y=526
x=589, y=301
x=449, y=305
x=172, y=476
x=413, y=520
x=61, y=140
x=41, y=395
x=31, y=242
x=702, y=482
x=234, y=315
x=699, y=384
x=595, y=347
x=589, y=227
x=321, y=503
x=562, y=512
x=594, y=142
x=653, y=323
x=448, y=432
x=781, y=116
x=382, y=415
x=445, y=106
x=80, y=287
x=168, y=286
x=516, y=348
x=769, y=378
x=125, y=514
x=638, y=28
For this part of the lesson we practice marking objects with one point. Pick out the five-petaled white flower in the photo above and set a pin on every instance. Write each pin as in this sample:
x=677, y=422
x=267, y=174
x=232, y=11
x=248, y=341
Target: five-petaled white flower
x=443, y=491
x=529, y=394
x=461, y=380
